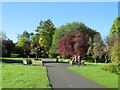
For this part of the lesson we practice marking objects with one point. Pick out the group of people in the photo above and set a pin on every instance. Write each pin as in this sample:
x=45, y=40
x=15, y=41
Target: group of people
x=76, y=59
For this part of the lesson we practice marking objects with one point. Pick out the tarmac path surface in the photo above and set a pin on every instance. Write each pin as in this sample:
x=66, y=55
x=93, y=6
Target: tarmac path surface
x=61, y=77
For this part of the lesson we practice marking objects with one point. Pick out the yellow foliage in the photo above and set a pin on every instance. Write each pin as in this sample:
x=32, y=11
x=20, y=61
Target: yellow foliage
x=115, y=53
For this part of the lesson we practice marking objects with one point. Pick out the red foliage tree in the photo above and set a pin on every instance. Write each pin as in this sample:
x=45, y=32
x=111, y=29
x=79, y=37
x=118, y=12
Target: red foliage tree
x=75, y=43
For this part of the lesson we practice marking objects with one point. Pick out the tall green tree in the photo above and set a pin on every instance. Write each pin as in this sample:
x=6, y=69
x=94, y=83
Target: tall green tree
x=95, y=47
x=115, y=53
x=35, y=49
x=25, y=34
x=35, y=46
x=45, y=31
x=113, y=42
x=116, y=26
x=24, y=42
x=113, y=36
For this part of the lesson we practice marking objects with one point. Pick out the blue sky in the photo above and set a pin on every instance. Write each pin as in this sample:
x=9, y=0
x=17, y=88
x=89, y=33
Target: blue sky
x=20, y=16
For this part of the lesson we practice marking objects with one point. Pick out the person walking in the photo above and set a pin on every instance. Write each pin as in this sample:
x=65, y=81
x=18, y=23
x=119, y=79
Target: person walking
x=74, y=59
x=79, y=60
x=57, y=59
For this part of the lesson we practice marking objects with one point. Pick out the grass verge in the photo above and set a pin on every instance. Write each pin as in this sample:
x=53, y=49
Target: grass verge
x=93, y=73
x=21, y=76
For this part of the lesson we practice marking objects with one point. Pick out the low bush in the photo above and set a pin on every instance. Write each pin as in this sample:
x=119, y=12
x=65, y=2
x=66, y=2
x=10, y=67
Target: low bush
x=110, y=68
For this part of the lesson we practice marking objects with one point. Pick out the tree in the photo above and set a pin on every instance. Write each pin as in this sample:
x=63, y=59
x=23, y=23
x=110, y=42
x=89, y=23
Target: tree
x=113, y=42
x=24, y=42
x=35, y=51
x=35, y=38
x=115, y=29
x=95, y=48
x=3, y=36
x=45, y=31
x=104, y=50
x=35, y=47
x=109, y=41
x=115, y=53
x=113, y=37
x=66, y=29
x=7, y=47
x=66, y=45
x=75, y=43
x=25, y=34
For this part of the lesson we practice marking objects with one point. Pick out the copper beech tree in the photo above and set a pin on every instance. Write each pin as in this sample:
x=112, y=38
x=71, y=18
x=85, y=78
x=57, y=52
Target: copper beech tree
x=75, y=43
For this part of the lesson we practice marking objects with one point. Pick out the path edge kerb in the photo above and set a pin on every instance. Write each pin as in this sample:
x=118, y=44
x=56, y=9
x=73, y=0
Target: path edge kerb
x=49, y=78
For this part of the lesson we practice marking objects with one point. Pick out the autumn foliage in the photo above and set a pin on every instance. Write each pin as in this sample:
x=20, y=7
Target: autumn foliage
x=75, y=43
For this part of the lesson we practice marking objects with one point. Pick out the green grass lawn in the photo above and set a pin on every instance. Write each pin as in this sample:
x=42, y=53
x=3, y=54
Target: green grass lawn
x=93, y=73
x=94, y=64
x=23, y=76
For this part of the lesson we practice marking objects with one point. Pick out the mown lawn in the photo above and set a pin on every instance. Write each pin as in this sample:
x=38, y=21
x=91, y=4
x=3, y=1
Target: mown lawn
x=97, y=75
x=23, y=76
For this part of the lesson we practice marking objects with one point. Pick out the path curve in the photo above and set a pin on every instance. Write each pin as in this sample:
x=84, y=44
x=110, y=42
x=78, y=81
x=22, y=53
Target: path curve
x=61, y=77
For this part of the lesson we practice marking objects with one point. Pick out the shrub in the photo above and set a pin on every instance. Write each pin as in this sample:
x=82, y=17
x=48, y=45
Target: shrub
x=115, y=53
x=104, y=67
x=110, y=68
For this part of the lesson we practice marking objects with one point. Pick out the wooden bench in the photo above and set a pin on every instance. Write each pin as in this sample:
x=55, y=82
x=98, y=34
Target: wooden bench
x=35, y=62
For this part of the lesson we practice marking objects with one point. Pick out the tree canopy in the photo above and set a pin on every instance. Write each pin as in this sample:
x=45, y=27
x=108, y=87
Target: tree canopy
x=116, y=26
x=115, y=53
x=24, y=42
x=66, y=29
x=75, y=43
x=45, y=31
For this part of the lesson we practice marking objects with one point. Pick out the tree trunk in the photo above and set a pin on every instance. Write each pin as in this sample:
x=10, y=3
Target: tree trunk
x=36, y=56
x=95, y=61
x=106, y=59
x=28, y=56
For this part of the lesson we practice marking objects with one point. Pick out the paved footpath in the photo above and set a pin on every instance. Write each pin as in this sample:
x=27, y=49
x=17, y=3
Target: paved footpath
x=61, y=77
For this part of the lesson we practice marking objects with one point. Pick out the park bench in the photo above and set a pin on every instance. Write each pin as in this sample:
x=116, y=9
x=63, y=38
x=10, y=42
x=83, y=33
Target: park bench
x=27, y=62
x=33, y=62
x=36, y=62
x=24, y=62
